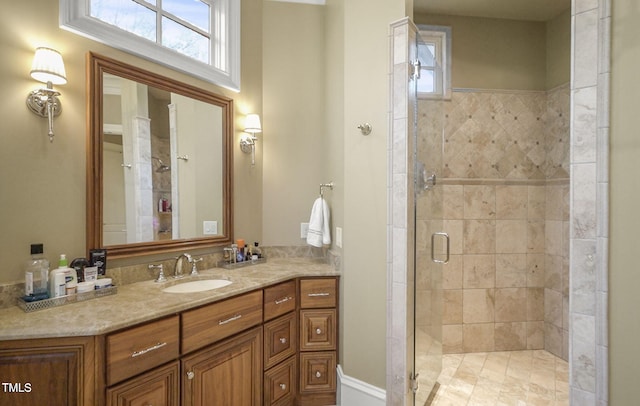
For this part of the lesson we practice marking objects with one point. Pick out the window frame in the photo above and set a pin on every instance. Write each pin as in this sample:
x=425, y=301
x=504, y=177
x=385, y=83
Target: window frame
x=440, y=37
x=224, y=67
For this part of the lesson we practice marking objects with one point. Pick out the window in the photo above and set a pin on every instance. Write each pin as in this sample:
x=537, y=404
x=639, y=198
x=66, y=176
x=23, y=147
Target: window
x=434, y=53
x=198, y=37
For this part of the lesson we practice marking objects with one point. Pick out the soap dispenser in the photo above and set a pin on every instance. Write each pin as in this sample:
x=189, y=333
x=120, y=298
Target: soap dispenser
x=59, y=277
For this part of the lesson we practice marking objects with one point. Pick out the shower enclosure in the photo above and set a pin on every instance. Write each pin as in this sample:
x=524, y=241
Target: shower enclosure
x=418, y=246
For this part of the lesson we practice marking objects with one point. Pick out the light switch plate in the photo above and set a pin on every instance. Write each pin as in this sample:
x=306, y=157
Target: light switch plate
x=210, y=227
x=304, y=230
x=339, y=237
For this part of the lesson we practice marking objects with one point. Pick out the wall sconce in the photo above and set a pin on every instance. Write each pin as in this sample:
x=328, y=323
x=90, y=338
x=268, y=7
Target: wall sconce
x=248, y=142
x=48, y=68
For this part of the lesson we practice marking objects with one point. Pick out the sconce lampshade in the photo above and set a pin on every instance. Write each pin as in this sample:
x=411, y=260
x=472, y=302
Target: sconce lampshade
x=48, y=66
x=252, y=124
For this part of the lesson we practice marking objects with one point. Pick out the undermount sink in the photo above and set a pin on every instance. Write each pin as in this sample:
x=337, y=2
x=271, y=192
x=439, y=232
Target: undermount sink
x=197, y=286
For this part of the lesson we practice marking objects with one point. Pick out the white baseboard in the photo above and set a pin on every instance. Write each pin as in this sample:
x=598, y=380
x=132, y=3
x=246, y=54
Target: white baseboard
x=353, y=392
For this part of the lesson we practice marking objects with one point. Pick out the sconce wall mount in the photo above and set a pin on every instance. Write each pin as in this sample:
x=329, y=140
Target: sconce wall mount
x=48, y=68
x=248, y=141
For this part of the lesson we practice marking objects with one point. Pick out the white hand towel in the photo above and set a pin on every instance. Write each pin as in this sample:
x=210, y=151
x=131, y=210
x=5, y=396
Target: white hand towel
x=319, y=233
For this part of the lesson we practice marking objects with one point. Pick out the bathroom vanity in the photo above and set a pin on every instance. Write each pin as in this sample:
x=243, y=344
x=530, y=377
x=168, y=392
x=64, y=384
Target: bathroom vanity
x=268, y=338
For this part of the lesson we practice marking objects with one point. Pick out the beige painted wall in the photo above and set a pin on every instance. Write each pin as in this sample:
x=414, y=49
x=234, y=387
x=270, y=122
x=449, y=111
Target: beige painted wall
x=558, y=58
x=42, y=185
x=495, y=54
x=294, y=135
x=366, y=95
x=624, y=278
x=325, y=72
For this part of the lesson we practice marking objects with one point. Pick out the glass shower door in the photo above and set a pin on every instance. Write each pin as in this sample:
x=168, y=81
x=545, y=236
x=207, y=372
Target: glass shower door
x=431, y=244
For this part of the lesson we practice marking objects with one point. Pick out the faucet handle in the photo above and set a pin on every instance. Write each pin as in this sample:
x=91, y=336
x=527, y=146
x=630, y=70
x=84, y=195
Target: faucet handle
x=161, y=277
x=194, y=265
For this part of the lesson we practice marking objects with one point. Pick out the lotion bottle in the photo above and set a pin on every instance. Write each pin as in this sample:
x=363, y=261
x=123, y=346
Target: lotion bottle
x=60, y=276
x=57, y=283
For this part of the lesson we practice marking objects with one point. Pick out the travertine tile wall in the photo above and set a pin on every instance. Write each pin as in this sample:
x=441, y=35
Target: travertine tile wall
x=506, y=158
x=591, y=26
x=400, y=220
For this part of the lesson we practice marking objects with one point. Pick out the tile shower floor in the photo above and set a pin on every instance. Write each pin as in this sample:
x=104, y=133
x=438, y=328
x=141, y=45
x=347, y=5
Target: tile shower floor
x=514, y=378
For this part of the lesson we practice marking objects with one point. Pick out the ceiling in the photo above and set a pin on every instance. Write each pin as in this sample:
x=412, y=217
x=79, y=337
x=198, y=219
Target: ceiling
x=528, y=10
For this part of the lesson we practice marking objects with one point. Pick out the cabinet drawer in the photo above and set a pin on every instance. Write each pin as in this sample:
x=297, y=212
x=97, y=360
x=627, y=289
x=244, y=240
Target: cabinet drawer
x=317, y=372
x=315, y=293
x=279, y=300
x=279, y=384
x=139, y=349
x=318, y=330
x=279, y=339
x=211, y=323
x=158, y=387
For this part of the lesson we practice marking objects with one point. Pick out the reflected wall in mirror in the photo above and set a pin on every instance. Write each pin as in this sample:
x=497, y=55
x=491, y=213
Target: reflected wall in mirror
x=159, y=162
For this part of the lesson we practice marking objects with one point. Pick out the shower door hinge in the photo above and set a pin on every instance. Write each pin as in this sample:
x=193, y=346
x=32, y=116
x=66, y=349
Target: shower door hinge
x=414, y=69
x=413, y=383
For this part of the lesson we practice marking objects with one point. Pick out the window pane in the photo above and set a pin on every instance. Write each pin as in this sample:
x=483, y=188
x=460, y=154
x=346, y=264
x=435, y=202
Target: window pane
x=184, y=40
x=426, y=54
x=426, y=83
x=127, y=15
x=192, y=11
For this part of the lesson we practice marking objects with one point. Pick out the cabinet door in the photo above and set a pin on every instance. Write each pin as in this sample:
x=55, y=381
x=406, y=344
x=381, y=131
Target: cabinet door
x=317, y=372
x=47, y=372
x=279, y=340
x=225, y=374
x=156, y=388
x=279, y=384
x=318, y=330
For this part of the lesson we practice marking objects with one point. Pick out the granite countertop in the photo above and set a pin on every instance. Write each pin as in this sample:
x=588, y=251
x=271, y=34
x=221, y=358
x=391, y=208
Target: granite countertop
x=143, y=301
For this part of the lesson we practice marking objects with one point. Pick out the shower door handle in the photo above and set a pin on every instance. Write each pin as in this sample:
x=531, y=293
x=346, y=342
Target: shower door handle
x=433, y=240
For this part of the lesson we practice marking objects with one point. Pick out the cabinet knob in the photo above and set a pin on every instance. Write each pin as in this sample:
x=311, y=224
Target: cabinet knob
x=190, y=375
x=283, y=386
x=318, y=331
x=318, y=374
x=283, y=340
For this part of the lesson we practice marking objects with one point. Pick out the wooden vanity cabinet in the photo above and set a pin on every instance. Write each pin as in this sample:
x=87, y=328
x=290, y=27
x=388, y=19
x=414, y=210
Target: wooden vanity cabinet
x=53, y=372
x=318, y=341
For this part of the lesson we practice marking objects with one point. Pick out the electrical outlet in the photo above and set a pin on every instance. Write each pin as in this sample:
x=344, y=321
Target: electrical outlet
x=339, y=237
x=210, y=227
x=304, y=230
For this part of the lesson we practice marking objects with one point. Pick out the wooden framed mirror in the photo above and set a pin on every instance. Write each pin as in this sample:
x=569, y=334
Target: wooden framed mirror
x=159, y=162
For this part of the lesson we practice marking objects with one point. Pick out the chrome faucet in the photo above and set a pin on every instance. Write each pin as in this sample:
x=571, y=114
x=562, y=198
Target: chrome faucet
x=161, y=277
x=177, y=273
x=194, y=266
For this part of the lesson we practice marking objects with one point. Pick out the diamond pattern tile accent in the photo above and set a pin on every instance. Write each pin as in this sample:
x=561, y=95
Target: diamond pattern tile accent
x=497, y=135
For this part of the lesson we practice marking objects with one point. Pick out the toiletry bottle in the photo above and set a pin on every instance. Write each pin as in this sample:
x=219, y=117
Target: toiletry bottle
x=58, y=278
x=36, y=276
x=257, y=252
x=240, y=243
